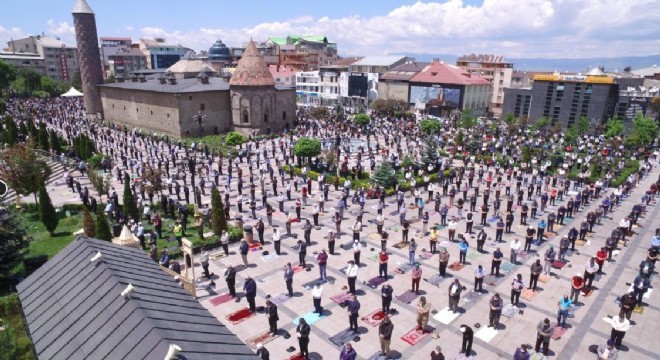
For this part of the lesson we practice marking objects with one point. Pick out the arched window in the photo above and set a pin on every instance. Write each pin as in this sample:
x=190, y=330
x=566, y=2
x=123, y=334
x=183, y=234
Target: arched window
x=246, y=117
x=266, y=116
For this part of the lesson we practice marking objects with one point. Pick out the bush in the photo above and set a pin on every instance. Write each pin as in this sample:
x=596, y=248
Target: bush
x=430, y=126
x=632, y=166
x=362, y=119
x=234, y=138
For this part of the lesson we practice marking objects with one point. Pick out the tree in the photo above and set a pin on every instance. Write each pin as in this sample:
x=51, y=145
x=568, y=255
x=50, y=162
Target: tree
x=88, y=223
x=55, y=142
x=582, y=126
x=100, y=183
x=644, y=131
x=42, y=137
x=130, y=207
x=22, y=170
x=318, y=112
x=430, y=153
x=52, y=87
x=84, y=146
x=33, y=132
x=102, y=227
x=307, y=148
x=362, y=119
x=541, y=123
x=7, y=75
x=76, y=81
x=27, y=81
x=384, y=175
x=218, y=220
x=14, y=243
x=388, y=107
x=47, y=213
x=11, y=132
x=614, y=127
x=234, y=138
x=154, y=179
x=430, y=126
x=467, y=120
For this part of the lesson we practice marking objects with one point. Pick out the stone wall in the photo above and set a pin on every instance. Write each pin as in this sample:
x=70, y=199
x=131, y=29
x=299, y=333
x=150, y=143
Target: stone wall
x=89, y=58
x=260, y=109
x=167, y=112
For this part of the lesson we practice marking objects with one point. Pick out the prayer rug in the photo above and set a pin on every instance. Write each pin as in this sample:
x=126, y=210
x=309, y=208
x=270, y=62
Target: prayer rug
x=239, y=316
x=544, y=278
x=471, y=296
x=374, y=236
x=407, y=297
x=445, y=316
x=507, y=267
x=509, y=310
x=414, y=336
x=639, y=309
x=221, y=299
x=394, y=213
x=647, y=294
x=373, y=257
x=400, y=245
x=523, y=255
x=444, y=244
x=580, y=242
x=493, y=219
x=558, y=332
x=440, y=227
x=456, y=266
x=310, y=317
x=486, y=334
x=297, y=356
x=280, y=299
x=378, y=356
x=262, y=338
x=558, y=264
x=491, y=280
x=586, y=292
x=528, y=294
x=375, y=282
x=548, y=234
x=269, y=257
x=413, y=221
x=536, y=355
x=341, y=298
x=492, y=244
x=256, y=245
x=572, y=309
x=343, y=337
x=309, y=285
x=425, y=255
x=298, y=268
x=473, y=254
x=403, y=268
x=434, y=279
x=375, y=318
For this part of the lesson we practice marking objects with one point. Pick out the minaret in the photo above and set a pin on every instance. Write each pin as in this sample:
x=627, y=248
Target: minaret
x=89, y=57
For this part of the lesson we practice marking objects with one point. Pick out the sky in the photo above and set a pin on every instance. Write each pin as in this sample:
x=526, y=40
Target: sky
x=511, y=28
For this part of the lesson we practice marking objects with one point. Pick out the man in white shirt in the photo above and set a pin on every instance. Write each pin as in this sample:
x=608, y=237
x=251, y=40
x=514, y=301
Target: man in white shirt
x=619, y=327
x=351, y=273
x=590, y=269
x=357, y=227
x=317, y=292
x=515, y=247
x=357, y=250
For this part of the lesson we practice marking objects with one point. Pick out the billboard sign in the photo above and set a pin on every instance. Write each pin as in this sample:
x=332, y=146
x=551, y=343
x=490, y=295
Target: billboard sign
x=435, y=95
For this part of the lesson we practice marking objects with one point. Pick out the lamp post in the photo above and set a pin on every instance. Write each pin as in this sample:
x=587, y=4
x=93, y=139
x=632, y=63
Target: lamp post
x=200, y=119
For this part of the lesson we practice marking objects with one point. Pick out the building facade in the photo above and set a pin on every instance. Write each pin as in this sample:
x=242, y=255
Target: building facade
x=307, y=88
x=394, y=84
x=46, y=55
x=160, y=54
x=494, y=69
x=303, y=53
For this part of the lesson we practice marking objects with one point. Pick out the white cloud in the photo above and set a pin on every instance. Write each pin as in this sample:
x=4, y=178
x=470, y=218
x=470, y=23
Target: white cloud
x=129, y=28
x=514, y=28
x=8, y=34
x=62, y=28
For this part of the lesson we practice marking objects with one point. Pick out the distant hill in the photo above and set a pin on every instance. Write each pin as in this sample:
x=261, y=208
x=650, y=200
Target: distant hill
x=573, y=65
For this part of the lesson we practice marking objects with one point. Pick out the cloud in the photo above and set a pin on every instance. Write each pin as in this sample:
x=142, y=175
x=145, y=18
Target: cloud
x=514, y=28
x=7, y=34
x=129, y=28
x=62, y=28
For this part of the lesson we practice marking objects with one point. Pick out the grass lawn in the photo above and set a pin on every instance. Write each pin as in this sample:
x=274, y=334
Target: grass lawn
x=43, y=243
x=15, y=343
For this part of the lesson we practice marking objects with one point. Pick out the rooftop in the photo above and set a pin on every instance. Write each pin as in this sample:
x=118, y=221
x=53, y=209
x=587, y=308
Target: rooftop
x=81, y=7
x=439, y=72
x=345, y=61
x=649, y=71
x=404, y=71
x=384, y=60
x=74, y=309
x=484, y=58
x=252, y=69
x=190, y=85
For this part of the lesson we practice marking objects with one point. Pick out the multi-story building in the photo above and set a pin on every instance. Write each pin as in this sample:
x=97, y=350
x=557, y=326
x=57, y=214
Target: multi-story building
x=283, y=76
x=307, y=88
x=120, y=56
x=363, y=77
x=48, y=56
x=110, y=45
x=160, y=54
x=334, y=81
x=394, y=84
x=440, y=88
x=494, y=69
x=303, y=53
x=266, y=50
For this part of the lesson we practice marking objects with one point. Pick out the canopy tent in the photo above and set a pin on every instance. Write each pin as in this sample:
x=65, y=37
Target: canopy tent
x=72, y=92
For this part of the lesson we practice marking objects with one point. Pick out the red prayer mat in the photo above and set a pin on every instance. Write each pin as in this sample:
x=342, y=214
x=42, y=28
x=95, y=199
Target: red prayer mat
x=558, y=332
x=456, y=266
x=221, y=299
x=375, y=318
x=239, y=316
x=528, y=294
x=414, y=336
x=255, y=245
x=297, y=268
x=558, y=264
x=340, y=298
x=586, y=292
x=297, y=356
x=262, y=338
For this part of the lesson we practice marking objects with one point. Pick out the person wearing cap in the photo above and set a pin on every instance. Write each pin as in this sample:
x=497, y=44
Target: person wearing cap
x=416, y=278
x=607, y=351
x=529, y=236
x=262, y=352
x=619, y=327
x=468, y=337
x=271, y=311
x=590, y=269
x=479, y=275
x=515, y=248
x=351, y=275
x=521, y=353
x=577, y=283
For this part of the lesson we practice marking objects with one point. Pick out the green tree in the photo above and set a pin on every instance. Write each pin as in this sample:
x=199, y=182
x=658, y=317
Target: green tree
x=52, y=87
x=14, y=243
x=362, y=119
x=7, y=74
x=10, y=135
x=84, y=146
x=644, y=131
x=614, y=128
x=130, y=206
x=388, y=107
x=42, y=137
x=582, y=126
x=467, y=120
x=307, y=148
x=33, y=132
x=88, y=223
x=526, y=154
x=100, y=182
x=234, y=138
x=384, y=175
x=218, y=220
x=102, y=227
x=76, y=80
x=541, y=123
x=55, y=142
x=27, y=81
x=47, y=213
x=430, y=153
x=318, y=112
x=22, y=170
x=430, y=126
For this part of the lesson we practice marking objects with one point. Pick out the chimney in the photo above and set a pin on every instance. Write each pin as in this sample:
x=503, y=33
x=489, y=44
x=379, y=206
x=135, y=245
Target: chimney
x=162, y=79
x=120, y=78
x=203, y=78
x=171, y=79
x=142, y=78
x=134, y=78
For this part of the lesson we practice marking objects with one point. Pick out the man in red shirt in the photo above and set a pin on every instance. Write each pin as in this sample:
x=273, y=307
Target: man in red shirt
x=601, y=256
x=577, y=283
x=382, y=264
x=416, y=277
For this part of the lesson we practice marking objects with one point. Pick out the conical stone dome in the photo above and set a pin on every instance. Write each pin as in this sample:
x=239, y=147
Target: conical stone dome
x=252, y=69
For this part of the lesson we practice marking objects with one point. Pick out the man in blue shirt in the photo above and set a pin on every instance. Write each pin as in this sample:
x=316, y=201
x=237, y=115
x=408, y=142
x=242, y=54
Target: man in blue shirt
x=564, y=304
x=353, y=308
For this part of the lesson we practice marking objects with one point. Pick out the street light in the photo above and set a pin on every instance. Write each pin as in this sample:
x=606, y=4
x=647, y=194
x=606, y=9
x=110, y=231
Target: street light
x=200, y=119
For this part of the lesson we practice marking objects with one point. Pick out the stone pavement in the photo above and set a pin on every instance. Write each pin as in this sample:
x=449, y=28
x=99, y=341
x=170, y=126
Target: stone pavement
x=585, y=328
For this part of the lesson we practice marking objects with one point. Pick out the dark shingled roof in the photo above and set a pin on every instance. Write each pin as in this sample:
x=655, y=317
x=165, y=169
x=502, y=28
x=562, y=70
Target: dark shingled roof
x=190, y=85
x=74, y=309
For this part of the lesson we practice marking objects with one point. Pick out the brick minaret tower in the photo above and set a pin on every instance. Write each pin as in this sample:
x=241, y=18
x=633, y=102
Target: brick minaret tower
x=89, y=56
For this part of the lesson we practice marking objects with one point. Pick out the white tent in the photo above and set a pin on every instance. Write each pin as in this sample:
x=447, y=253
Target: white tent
x=72, y=92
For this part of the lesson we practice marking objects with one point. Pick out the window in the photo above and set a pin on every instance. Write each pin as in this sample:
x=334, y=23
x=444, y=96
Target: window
x=284, y=115
x=137, y=110
x=202, y=107
x=113, y=106
x=246, y=117
x=152, y=113
x=168, y=116
x=190, y=97
x=266, y=117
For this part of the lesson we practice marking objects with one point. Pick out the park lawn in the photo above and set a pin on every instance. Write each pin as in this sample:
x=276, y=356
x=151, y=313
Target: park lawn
x=44, y=244
x=15, y=343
